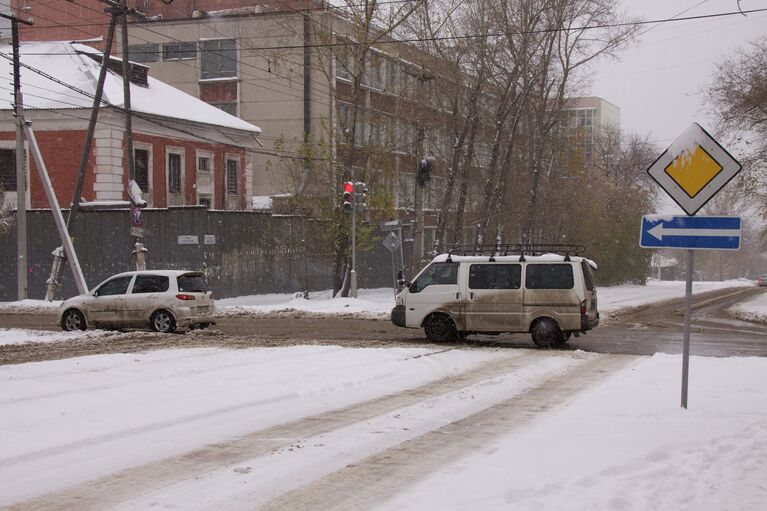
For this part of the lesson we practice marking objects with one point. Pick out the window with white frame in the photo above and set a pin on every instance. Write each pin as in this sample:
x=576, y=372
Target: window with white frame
x=342, y=61
x=232, y=175
x=203, y=164
x=141, y=164
x=144, y=52
x=174, y=169
x=179, y=51
x=219, y=58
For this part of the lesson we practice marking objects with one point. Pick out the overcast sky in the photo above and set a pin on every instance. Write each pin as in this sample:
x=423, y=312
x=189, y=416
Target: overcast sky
x=658, y=81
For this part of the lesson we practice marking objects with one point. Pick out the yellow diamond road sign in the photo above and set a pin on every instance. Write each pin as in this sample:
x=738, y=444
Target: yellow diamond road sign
x=694, y=168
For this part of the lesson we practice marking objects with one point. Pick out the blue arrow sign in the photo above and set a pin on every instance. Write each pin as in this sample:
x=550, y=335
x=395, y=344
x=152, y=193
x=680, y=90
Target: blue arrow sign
x=690, y=232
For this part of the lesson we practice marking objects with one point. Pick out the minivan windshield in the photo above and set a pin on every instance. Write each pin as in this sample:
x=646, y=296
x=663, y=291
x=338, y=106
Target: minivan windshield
x=436, y=273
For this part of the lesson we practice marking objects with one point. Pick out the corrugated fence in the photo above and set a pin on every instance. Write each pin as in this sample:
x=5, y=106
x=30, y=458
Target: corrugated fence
x=243, y=252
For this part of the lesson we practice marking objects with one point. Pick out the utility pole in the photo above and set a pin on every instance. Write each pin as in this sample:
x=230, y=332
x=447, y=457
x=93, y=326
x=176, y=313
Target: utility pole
x=21, y=167
x=422, y=170
x=59, y=257
x=139, y=251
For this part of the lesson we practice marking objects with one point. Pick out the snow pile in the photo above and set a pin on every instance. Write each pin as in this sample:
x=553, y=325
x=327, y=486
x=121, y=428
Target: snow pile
x=752, y=310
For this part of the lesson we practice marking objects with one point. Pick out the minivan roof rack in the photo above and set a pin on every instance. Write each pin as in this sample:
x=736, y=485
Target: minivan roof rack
x=521, y=249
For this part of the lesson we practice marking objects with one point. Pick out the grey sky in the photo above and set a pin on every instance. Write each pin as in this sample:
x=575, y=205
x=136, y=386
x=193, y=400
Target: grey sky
x=658, y=81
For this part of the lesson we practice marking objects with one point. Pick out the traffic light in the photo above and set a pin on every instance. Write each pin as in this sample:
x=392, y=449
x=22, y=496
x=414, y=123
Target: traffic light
x=361, y=194
x=348, y=196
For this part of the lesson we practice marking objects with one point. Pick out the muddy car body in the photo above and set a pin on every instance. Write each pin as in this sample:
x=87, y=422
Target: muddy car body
x=160, y=300
x=550, y=296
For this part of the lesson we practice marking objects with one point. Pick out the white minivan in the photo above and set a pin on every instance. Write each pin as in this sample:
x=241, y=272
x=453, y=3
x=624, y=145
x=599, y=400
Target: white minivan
x=551, y=296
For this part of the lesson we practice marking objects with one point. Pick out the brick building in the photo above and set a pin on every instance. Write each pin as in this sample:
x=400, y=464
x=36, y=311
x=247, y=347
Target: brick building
x=186, y=151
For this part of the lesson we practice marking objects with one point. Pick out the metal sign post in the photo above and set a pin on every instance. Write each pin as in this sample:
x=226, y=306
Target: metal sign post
x=692, y=170
x=687, y=321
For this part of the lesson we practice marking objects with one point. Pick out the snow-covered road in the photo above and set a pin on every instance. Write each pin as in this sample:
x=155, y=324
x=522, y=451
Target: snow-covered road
x=325, y=427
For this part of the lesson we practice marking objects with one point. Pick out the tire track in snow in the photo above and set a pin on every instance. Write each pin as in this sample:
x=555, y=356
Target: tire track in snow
x=381, y=476
x=131, y=483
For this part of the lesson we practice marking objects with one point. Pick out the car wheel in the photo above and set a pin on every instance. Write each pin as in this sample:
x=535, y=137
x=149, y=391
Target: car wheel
x=163, y=321
x=72, y=320
x=439, y=327
x=546, y=334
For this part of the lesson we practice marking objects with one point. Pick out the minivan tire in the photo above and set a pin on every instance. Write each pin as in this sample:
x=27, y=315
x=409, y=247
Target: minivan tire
x=547, y=334
x=73, y=320
x=440, y=328
x=163, y=322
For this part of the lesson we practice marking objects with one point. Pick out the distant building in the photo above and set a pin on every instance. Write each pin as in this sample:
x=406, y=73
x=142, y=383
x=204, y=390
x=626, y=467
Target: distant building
x=186, y=151
x=586, y=117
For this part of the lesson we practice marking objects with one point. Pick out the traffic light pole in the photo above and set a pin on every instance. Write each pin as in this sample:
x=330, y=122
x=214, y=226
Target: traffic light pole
x=353, y=275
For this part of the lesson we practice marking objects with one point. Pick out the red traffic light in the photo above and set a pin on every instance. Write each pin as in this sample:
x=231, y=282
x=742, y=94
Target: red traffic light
x=348, y=196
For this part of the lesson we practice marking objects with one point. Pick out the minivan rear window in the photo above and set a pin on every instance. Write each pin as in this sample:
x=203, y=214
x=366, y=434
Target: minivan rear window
x=192, y=283
x=588, y=277
x=549, y=276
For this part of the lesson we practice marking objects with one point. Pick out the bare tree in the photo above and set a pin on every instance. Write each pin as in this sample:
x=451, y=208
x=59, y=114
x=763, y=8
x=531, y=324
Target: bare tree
x=738, y=99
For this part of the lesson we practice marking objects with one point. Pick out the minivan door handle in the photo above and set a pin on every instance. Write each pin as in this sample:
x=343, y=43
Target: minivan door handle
x=458, y=295
x=471, y=296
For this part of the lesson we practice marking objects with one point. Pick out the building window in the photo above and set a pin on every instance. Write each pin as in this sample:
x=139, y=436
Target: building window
x=144, y=52
x=342, y=61
x=174, y=173
x=376, y=70
x=141, y=162
x=204, y=201
x=219, y=58
x=8, y=170
x=179, y=51
x=230, y=108
x=232, y=176
x=203, y=164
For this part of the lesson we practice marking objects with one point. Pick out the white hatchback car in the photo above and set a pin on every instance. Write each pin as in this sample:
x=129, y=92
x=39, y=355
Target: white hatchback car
x=160, y=300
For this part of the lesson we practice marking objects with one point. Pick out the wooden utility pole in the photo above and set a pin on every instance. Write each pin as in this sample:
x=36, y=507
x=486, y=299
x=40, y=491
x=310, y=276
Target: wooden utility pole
x=21, y=167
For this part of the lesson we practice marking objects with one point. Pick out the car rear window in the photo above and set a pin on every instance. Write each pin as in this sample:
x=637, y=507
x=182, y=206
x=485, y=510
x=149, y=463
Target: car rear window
x=588, y=277
x=151, y=284
x=192, y=283
x=549, y=276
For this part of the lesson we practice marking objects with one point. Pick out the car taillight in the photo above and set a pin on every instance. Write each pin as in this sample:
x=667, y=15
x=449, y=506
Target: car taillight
x=185, y=297
x=583, y=307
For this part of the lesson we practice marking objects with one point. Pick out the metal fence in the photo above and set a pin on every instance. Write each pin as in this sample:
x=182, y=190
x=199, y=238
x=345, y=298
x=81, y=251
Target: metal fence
x=243, y=252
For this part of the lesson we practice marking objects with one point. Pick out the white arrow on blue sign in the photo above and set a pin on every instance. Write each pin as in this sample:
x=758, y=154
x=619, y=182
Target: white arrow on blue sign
x=690, y=232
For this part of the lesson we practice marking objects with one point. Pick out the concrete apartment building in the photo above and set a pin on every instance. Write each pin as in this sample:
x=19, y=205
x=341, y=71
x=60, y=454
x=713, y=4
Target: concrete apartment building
x=587, y=117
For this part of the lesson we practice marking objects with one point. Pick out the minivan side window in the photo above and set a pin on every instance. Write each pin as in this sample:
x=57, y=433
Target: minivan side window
x=150, y=284
x=116, y=286
x=436, y=273
x=495, y=276
x=549, y=276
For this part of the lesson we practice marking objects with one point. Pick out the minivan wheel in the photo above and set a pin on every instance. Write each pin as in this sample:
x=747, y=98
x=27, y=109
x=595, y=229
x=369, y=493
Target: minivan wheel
x=439, y=327
x=73, y=320
x=163, y=321
x=546, y=334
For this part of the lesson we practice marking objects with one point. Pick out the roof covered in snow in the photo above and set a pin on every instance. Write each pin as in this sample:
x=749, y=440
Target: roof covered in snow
x=70, y=63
